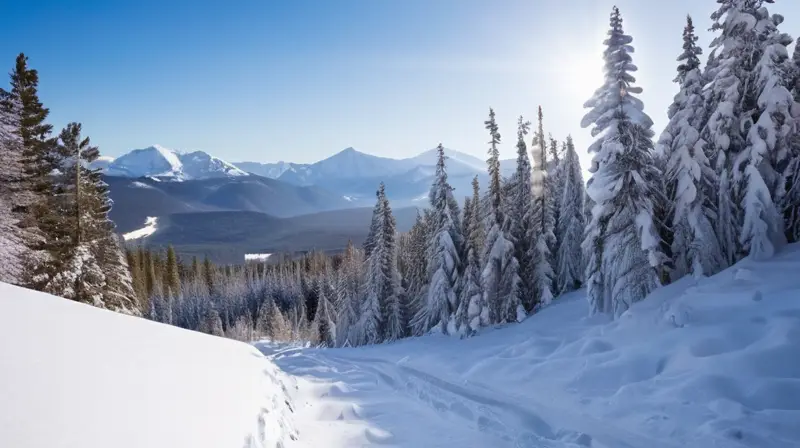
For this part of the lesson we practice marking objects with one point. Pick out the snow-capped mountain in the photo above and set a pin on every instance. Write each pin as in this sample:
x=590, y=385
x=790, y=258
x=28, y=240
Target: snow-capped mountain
x=346, y=164
x=167, y=164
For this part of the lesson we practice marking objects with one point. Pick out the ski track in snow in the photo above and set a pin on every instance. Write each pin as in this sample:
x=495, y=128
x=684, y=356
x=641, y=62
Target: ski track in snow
x=396, y=405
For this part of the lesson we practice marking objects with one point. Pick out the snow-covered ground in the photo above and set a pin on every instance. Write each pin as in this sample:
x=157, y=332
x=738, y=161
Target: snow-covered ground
x=708, y=363
x=74, y=376
x=149, y=228
x=257, y=257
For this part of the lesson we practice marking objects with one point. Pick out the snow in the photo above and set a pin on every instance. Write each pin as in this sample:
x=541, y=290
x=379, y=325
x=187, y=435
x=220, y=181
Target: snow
x=138, y=184
x=256, y=257
x=78, y=376
x=167, y=164
x=148, y=229
x=700, y=363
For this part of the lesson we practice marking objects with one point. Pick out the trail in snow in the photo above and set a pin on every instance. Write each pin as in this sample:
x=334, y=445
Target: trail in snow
x=700, y=363
x=354, y=401
x=148, y=229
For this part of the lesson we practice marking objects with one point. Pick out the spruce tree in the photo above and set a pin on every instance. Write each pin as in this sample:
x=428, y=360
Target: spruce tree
x=441, y=301
x=571, y=223
x=324, y=318
x=789, y=199
x=394, y=296
x=541, y=233
x=371, y=322
x=747, y=132
x=24, y=135
x=473, y=311
x=172, y=280
x=521, y=215
x=349, y=289
x=500, y=279
x=621, y=238
x=417, y=279
x=690, y=180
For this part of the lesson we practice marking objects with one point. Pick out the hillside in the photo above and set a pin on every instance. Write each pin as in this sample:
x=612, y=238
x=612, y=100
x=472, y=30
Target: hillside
x=137, y=199
x=227, y=236
x=77, y=376
x=697, y=364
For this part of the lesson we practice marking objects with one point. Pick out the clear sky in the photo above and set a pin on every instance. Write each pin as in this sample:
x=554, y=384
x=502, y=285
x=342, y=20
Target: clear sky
x=299, y=80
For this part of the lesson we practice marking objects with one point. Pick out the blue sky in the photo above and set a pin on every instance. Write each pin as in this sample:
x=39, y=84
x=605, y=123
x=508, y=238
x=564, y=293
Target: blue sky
x=300, y=80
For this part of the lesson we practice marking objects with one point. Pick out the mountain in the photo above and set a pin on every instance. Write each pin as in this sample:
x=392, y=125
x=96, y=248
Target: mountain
x=456, y=161
x=270, y=170
x=137, y=199
x=346, y=164
x=226, y=236
x=168, y=165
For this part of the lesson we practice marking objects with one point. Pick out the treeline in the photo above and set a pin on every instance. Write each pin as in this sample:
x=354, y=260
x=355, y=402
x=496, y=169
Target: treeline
x=55, y=235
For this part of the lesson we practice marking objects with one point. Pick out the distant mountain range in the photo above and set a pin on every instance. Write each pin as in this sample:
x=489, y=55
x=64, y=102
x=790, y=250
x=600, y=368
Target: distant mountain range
x=160, y=182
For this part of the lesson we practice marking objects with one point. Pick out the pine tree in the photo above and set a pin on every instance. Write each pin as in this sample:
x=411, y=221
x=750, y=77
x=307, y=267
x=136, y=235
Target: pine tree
x=571, y=224
x=621, y=238
x=172, y=280
x=690, y=179
x=349, y=288
x=324, y=317
x=521, y=215
x=441, y=301
x=393, y=293
x=473, y=311
x=748, y=129
x=371, y=321
x=417, y=276
x=543, y=221
x=24, y=134
x=789, y=199
x=500, y=279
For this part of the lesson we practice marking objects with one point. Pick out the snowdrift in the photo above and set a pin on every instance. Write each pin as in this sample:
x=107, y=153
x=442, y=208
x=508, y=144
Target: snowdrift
x=702, y=363
x=74, y=376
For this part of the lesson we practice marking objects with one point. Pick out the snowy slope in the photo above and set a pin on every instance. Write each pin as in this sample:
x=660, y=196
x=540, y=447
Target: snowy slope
x=74, y=376
x=270, y=170
x=167, y=164
x=708, y=363
x=155, y=160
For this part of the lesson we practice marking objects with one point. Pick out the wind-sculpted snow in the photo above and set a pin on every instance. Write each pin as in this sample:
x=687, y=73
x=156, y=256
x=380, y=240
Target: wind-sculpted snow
x=700, y=363
x=74, y=376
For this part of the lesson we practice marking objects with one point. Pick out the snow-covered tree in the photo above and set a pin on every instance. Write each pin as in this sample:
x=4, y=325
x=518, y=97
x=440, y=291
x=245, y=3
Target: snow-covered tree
x=23, y=133
x=393, y=294
x=441, y=300
x=690, y=180
x=382, y=317
x=473, y=310
x=500, y=279
x=521, y=215
x=571, y=224
x=748, y=130
x=543, y=221
x=324, y=318
x=349, y=287
x=790, y=198
x=621, y=238
x=417, y=275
